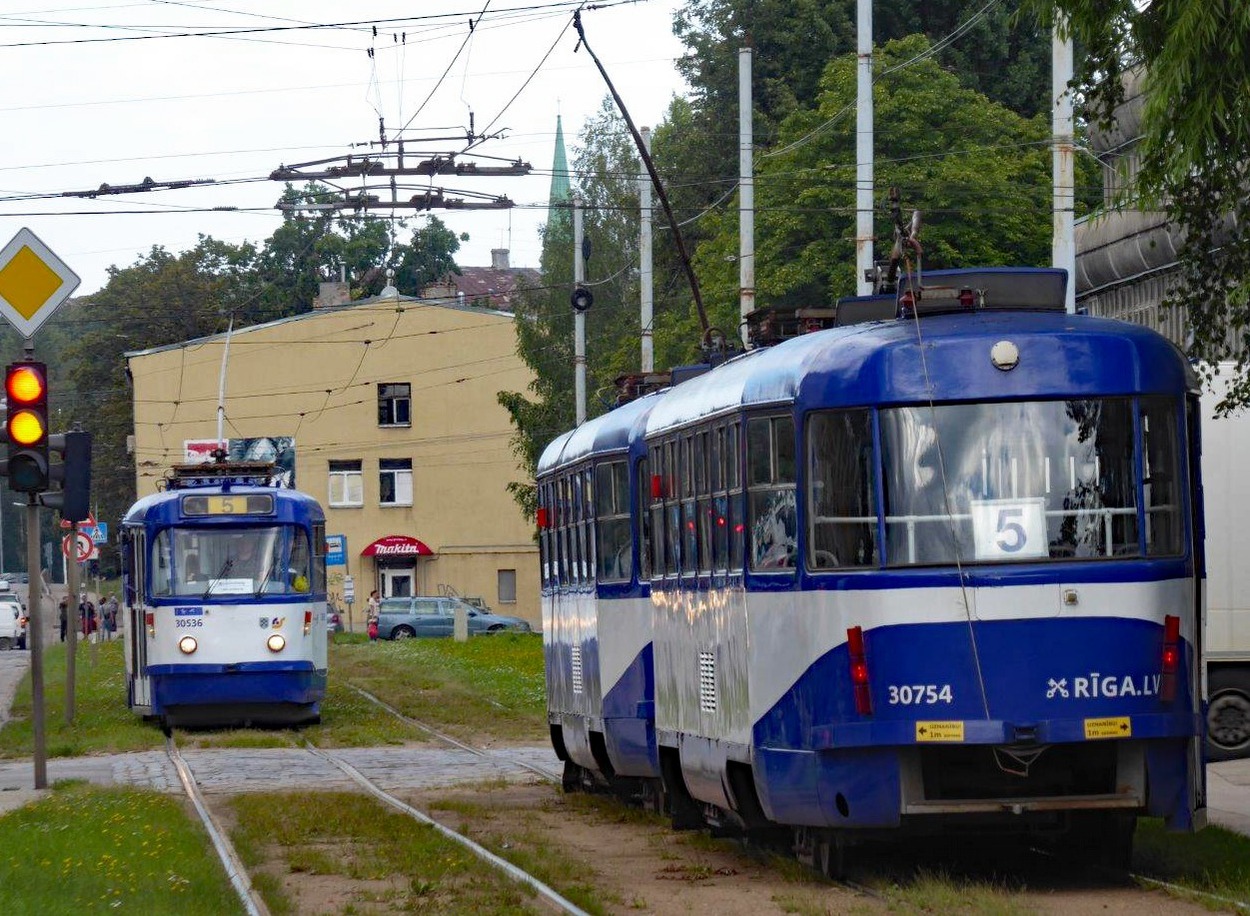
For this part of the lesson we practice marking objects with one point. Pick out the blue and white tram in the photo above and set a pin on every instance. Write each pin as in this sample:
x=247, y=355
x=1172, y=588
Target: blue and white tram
x=932, y=572
x=596, y=609
x=225, y=594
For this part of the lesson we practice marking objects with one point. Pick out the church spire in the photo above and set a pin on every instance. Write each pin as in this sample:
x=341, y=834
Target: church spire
x=560, y=190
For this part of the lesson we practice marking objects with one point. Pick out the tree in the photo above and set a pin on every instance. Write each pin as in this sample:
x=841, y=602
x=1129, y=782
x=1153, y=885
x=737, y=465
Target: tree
x=162, y=298
x=1194, y=144
x=978, y=172
x=606, y=166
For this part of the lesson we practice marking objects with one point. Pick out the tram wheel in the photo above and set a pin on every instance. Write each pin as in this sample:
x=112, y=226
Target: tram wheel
x=831, y=856
x=571, y=778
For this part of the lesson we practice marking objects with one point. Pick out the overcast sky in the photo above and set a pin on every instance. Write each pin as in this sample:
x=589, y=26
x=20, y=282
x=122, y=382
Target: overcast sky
x=102, y=92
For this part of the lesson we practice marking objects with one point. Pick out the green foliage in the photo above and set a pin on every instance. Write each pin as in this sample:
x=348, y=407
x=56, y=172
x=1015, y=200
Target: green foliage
x=978, y=172
x=1194, y=148
x=91, y=849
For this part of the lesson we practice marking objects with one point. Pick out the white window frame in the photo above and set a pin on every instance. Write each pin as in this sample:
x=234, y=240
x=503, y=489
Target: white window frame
x=394, y=401
x=402, y=484
x=346, y=488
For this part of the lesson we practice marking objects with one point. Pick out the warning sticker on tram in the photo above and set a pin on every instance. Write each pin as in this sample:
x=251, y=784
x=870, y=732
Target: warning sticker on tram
x=939, y=731
x=1114, y=727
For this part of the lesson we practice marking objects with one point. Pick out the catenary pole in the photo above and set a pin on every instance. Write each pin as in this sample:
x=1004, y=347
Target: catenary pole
x=1063, y=164
x=863, y=149
x=645, y=273
x=746, y=195
x=579, y=317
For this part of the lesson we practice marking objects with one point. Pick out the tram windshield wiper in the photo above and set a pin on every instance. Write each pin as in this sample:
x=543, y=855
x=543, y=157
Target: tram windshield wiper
x=225, y=568
x=264, y=580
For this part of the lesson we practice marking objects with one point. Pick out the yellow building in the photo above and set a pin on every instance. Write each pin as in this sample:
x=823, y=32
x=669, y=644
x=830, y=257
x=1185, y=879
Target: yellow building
x=383, y=409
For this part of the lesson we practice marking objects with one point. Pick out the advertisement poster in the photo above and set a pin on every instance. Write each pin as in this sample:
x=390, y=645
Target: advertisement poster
x=278, y=449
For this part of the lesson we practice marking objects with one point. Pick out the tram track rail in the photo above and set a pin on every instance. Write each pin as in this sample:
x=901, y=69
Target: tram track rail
x=236, y=871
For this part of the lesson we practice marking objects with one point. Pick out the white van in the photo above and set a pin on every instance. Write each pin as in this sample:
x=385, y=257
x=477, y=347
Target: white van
x=12, y=620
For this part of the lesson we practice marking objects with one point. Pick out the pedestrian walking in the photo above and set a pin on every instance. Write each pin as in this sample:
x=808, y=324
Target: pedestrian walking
x=374, y=608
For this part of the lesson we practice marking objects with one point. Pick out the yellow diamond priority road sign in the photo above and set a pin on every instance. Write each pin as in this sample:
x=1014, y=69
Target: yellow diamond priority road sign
x=33, y=282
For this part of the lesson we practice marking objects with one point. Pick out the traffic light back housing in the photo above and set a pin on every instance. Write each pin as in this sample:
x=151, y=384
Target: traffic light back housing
x=74, y=473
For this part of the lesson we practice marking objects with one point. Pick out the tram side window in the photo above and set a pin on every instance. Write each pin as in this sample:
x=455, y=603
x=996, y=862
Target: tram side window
x=1161, y=477
x=659, y=535
x=319, y=560
x=612, y=521
x=689, y=520
x=162, y=564
x=672, y=512
x=770, y=488
x=841, y=502
x=643, y=477
x=588, y=525
x=703, y=497
x=733, y=484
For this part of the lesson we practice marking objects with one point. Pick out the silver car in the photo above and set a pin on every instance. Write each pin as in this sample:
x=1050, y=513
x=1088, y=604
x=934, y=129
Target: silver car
x=402, y=618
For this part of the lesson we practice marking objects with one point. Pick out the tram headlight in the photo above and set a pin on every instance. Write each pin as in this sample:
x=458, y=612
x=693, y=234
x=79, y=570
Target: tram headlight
x=188, y=645
x=276, y=642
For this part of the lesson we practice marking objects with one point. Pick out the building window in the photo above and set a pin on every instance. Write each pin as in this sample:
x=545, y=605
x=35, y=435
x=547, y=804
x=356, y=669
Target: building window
x=394, y=404
x=507, y=586
x=395, y=481
x=346, y=484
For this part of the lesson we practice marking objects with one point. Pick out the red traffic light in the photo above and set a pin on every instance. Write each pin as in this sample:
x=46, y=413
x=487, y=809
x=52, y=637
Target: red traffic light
x=25, y=383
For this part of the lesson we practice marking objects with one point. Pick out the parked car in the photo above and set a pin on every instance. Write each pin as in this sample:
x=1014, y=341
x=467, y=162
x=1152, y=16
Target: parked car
x=12, y=621
x=401, y=618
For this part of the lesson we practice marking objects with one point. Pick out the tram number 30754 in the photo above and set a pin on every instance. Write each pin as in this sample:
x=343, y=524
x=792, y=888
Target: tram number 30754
x=920, y=694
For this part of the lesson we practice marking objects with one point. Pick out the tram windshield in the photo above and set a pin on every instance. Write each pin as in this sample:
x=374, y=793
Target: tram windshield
x=274, y=560
x=1030, y=481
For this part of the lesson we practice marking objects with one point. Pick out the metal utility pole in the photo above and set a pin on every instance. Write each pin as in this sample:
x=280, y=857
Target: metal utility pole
x=746, y=195
x=1063, y=162
x=71, y=624
x=579, y=316
x=645, y=275
x=34, y=593
x=863, y=151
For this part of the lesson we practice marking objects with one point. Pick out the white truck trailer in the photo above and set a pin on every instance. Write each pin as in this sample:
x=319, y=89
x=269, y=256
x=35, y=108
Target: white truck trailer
x=1226, y=481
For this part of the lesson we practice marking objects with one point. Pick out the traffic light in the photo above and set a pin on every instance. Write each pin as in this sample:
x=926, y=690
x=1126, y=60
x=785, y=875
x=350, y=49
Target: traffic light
x=74, y=474
x=26, y=387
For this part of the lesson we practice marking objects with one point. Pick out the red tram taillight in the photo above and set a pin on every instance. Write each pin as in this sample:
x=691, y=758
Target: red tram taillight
x=1171, y=657
x=859, y=670
x=307, y=622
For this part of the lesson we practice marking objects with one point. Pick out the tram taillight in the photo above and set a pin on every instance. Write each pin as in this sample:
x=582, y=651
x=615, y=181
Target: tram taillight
x=859, y=670
x=1171, y=657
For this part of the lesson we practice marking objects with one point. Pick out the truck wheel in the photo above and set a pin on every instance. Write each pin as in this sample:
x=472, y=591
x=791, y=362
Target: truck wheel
x=1228, y=714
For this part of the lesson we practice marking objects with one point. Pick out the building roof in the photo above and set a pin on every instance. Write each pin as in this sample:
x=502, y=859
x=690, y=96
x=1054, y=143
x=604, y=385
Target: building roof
x=387, y=297
x=496, y=287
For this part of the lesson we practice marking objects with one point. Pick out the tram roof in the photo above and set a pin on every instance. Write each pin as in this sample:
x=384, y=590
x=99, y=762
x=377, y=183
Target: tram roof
x=607, y=432
x=289, y=506
x=880, y=362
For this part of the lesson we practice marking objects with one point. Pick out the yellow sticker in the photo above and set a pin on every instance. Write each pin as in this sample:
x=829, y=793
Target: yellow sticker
x=939, y=731
x=1115, y=727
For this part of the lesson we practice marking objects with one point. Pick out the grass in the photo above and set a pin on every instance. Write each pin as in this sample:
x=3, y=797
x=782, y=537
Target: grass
x=1213, y=861
x=486, y=688
x=85, y=848
x=389, y=858
x=102, y=723
x=489, y=687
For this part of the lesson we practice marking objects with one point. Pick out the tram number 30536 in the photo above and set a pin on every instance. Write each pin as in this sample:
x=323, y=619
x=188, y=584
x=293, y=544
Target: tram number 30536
x=920, y=694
